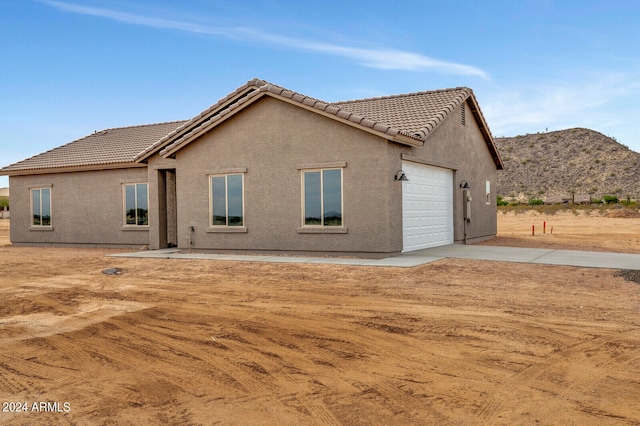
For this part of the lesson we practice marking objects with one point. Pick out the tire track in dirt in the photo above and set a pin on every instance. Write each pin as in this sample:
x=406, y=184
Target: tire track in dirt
x=19, y=374
x=490, y=411
x=130, y=353
x=9, y=381
x=276, y=367
x=383, y=390
x=619, y=360
x=327, y=349
x=243, y=370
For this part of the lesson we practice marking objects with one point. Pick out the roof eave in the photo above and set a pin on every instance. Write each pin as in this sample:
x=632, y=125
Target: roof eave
x=312, y=105
x=385, y=132
x=207, y=123
x=70, y=169
x=407, y=140
x=198, y=120
x=484, y=128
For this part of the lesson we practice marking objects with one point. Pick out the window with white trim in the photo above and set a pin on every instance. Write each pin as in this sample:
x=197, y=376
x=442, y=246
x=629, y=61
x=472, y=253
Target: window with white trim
x=41, y=207
x=488, y=191
x=136, y=204
x=322, y=197
x=226, y=200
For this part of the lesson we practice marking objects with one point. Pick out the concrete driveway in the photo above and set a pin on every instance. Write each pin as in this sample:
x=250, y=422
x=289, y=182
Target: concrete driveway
x=588, y=259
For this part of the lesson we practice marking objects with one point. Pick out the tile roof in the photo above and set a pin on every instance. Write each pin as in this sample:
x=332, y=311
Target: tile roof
x=413, y=114
x=255, y=89
x=407, y=119
x=419, y=114
x=105, y=147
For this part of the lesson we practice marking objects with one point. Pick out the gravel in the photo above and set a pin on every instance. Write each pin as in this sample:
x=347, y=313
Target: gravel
x=629, y=275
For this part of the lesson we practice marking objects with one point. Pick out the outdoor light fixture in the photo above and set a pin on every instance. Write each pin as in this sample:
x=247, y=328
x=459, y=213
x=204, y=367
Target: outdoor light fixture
x=464, y=185
x=400, y=176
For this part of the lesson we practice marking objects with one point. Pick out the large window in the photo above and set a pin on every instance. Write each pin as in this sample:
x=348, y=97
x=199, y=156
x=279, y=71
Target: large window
x=322, y=192
x=41, y=207
x=227, y=200
x=136, y=204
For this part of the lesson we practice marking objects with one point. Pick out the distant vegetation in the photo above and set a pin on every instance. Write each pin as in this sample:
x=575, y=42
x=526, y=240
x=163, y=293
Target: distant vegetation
x=573, y=162
x=4, y=202
x=593, y=209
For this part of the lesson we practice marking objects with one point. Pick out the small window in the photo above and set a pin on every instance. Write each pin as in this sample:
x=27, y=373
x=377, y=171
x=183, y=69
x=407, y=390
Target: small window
x=227, y=200
x=488, y=191
x=136, y=204
x=322, y=197
x=41, y=207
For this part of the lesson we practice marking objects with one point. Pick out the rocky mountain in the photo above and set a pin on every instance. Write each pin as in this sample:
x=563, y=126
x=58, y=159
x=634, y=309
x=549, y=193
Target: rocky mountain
x=558, y=163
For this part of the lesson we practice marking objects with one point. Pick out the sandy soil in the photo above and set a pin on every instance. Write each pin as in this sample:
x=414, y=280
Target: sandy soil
x=207, y=342
x=595, y=231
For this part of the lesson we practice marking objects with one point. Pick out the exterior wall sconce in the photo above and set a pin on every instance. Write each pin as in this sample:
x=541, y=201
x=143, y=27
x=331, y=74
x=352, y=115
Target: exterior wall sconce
x=400, y=176
x=464, y=185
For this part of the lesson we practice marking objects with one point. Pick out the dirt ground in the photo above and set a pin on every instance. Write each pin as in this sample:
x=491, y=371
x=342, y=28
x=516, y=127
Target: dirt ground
x=612, y=231
x=209, y=342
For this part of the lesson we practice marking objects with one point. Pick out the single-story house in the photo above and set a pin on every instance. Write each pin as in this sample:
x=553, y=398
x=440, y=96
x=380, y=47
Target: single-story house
x=269, y=170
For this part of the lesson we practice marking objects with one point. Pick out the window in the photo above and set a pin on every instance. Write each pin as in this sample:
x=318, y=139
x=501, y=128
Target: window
x=227, y=203
x=41, y=207
x=488, y=191
x=322, y=197
x=136, y=204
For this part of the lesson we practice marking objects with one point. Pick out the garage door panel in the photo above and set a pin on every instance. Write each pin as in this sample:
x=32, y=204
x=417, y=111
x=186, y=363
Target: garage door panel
x=427, y=206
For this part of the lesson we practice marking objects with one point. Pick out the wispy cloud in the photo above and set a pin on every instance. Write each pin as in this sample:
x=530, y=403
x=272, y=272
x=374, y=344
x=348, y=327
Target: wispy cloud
x=589, y=102
x=380, y=58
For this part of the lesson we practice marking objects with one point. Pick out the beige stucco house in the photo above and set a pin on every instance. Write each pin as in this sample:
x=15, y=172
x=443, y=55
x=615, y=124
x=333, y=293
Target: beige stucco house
x=266, y=169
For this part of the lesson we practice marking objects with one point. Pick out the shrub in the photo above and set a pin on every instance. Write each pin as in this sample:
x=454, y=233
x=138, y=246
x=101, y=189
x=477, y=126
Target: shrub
x=4, y=202
x=535, y=202
x=501, y=202
x=610, y=199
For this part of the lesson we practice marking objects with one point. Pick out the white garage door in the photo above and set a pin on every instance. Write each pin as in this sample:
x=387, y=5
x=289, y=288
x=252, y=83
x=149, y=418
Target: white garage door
x=427, y=206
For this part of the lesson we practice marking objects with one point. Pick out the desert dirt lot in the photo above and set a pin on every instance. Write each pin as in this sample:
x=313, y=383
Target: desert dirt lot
x=209, y=342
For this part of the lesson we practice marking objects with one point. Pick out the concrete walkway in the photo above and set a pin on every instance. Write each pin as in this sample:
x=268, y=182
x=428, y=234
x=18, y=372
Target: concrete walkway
x=589, y=259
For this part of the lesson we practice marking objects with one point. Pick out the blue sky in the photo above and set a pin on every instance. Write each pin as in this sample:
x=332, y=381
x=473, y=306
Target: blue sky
x=71, y=67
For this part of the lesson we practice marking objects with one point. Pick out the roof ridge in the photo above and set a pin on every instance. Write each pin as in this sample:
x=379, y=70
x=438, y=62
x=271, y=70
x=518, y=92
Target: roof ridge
x=405, y=95
x=203, y=118
x=134, y=126
x=338, y=109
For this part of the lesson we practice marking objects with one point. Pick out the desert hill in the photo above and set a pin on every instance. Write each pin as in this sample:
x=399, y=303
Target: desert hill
x=556, y=163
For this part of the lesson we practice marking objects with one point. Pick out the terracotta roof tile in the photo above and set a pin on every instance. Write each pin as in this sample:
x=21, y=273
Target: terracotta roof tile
x=109, y=146
x=414, y=114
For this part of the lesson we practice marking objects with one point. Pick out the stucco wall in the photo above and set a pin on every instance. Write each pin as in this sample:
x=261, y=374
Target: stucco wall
x=162, y=202
x=461, y=148
x=86, y=209
x=271, y=139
